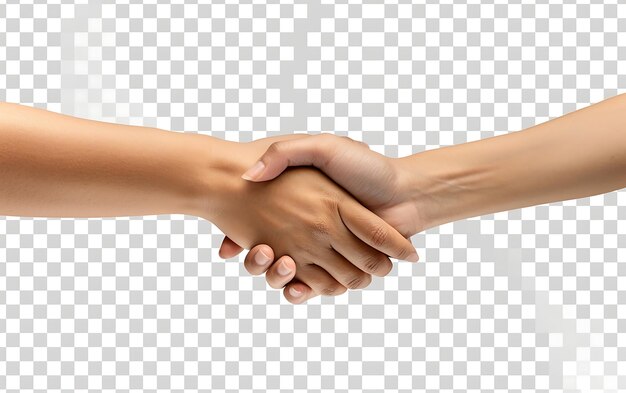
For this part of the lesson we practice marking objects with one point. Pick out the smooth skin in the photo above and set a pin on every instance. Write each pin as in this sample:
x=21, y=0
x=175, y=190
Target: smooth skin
x=574, y=156
x=52, y=165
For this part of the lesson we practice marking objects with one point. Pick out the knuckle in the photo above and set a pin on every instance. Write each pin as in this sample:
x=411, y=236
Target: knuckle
x=333, y=290
x=331, y=202
x=327, y=137
x=308, y=250
x=354, y=282
x=363, y=144
x=379, y=236
x=274, y=148
x=372, y=264
x=402, y=252
x=360, y=281
x=320, y=228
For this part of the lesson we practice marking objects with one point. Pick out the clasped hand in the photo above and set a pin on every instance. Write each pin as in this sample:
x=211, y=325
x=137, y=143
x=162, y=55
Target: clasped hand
x=323, y=240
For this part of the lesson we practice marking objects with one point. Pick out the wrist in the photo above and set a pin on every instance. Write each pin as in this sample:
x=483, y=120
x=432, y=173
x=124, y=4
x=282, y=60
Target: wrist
x=213, y=171
x=445, y=185
x=218, y=170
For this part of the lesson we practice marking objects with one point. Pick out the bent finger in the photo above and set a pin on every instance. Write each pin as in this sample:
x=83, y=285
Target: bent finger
x=361, y=255
x=374, y=231
x=281, y=272
x=297, y=292
x=259, y=259
x=344, y=271
x=319, y=280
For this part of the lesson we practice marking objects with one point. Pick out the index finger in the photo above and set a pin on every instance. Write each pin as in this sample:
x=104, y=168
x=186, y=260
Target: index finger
x=375, y=232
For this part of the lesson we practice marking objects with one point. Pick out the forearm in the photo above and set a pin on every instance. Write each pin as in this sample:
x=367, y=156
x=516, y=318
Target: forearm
x=54, y=165
x=574, y=156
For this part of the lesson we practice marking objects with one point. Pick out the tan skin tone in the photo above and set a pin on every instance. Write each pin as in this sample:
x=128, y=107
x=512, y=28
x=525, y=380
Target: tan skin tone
x=52, y=165
x=574, y=156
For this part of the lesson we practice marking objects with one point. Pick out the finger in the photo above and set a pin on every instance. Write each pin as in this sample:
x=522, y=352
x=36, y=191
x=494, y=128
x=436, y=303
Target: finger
x=259, y=259
x=281, y=272
x=316, y=151
x=346, y=273
x=229, y=249
x=319, y=280
x=297, y=292
x=374, y=231
x=361, y=255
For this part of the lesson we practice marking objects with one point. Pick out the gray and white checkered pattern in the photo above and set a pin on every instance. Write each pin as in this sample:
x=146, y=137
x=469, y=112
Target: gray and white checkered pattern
x=531, y=300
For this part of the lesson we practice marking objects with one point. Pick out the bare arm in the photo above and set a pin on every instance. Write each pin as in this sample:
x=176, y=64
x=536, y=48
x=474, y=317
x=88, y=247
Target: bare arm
x=61, y=166
x=574, y=156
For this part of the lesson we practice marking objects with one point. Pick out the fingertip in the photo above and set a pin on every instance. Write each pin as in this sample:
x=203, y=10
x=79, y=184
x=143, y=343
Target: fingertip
x=259, y=259
x=405, y=250
x=281, y=272
x=297, y=293
x=262, y=254
x=288, y=263
x=413, y=257
x=229, y=249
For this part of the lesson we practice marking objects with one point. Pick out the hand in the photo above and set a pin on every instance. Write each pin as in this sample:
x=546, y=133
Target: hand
x=375, y=180
x=336, y=242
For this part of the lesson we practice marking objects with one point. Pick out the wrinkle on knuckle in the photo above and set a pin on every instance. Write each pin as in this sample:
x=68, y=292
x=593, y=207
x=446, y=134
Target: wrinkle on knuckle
x=403, y=253
x=274, y=148
x=333, y=290
x=357, y=282
x=331, y=201
x=372, y=264
x=354, y=282
x=320, y=228
x=379, y=236
x=306, y=253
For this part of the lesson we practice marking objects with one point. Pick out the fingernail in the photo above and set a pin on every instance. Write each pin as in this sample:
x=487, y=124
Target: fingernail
x=413, y=257
x=294, y=292
x=261, y=258
x=254, y=171
x=282, y=269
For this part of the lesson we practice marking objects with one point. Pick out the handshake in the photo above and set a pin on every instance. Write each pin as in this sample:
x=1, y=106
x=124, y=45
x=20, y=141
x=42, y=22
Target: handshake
x=329, y=224
x=321, y=214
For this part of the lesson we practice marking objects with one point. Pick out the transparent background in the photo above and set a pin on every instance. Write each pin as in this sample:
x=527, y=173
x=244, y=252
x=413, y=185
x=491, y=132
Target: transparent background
x=521, y=301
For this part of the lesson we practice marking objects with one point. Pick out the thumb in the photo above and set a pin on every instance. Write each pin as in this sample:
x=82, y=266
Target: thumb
x=229, y=249
x=315, y=151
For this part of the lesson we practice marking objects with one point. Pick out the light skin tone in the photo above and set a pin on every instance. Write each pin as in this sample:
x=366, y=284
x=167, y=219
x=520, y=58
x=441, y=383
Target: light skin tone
x=52, y=165
x=574, y=156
